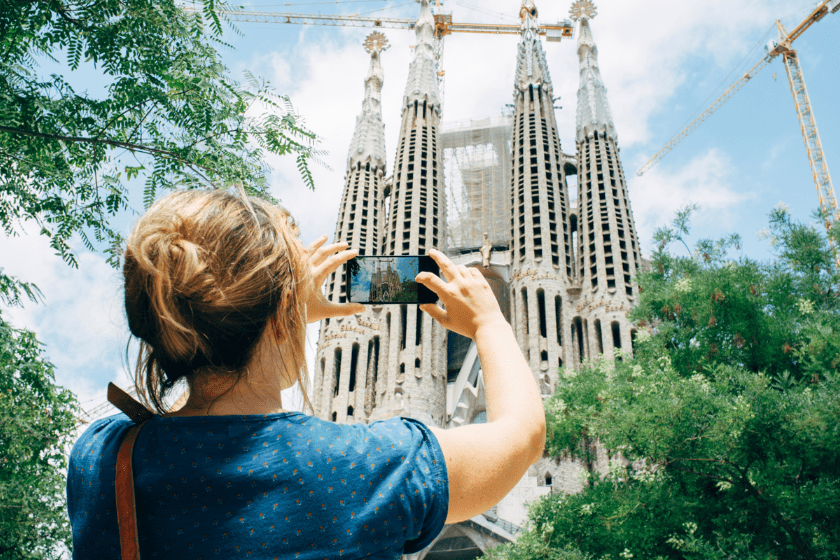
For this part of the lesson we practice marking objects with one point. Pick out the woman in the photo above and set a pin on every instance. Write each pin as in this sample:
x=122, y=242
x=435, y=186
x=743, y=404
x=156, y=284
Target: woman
x=219, y=290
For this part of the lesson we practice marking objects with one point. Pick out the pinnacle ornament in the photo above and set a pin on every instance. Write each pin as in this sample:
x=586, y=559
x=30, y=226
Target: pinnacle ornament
x=583, y=9
x=377, y=42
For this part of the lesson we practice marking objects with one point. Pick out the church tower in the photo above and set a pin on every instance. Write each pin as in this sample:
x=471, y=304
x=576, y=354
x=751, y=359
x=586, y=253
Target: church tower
x=414, y=346
x=343, y=391
x=609, y=258
x=541, y=249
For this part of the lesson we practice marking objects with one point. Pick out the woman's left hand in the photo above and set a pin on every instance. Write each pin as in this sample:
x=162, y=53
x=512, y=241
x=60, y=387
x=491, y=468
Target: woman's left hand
x=325, y=260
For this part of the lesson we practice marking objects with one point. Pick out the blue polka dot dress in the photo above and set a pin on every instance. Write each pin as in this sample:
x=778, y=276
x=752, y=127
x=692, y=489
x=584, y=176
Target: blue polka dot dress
x=280, y=486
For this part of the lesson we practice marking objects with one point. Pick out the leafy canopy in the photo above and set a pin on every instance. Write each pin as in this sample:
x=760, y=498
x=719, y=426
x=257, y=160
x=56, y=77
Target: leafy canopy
x=37, y=422
x=723, y=428
x=170, y=115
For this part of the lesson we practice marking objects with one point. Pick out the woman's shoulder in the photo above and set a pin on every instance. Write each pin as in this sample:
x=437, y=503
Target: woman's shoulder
x=102, y=433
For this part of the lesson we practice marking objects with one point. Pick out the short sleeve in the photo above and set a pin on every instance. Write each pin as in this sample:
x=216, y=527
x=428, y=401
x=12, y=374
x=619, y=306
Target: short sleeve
x=421, y=480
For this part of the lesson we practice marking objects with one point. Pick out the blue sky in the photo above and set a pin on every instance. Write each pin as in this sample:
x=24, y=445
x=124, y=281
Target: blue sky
x=661, y=61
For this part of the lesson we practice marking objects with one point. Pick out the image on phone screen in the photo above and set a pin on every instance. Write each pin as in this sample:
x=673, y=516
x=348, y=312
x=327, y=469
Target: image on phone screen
x=384, y=280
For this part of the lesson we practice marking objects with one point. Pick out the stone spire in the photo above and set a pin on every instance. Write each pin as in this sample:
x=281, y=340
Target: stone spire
x=368, y=145
x=531, y=66
x=541, y=251
x=348, y=354
x=413, y=380
x=609, y=259
x=593, y=109
x=422, y=85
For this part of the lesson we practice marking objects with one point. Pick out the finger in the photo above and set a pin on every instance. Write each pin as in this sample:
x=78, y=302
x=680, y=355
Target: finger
x=435, y=313
x=446, y=266
x=317, y=243
x=322, y=253
x=327, y=309
x=345, y=309
x=465, y=271
x=432, y=282
x=331, y=264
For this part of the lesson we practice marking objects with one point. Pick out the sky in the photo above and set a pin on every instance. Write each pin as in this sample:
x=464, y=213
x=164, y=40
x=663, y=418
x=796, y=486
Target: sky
x=661, y=62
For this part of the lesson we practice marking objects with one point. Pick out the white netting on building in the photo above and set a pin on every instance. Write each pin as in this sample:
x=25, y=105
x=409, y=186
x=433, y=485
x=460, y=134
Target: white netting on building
x=477, y=161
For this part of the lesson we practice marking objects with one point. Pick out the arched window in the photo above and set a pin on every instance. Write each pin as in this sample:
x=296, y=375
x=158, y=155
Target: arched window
x=541, y=309
x=577, y=327
x=337, y=365
x=354, y=363
x=599, y=336
x=616, y=334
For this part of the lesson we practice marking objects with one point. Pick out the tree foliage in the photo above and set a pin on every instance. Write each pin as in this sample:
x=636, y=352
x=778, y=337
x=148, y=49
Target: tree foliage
x=37, y=421
x=169, y=115
x=724, y=427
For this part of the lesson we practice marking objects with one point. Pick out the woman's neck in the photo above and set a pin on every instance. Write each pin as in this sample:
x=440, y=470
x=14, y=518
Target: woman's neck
x=224, y=395
x=256, y=391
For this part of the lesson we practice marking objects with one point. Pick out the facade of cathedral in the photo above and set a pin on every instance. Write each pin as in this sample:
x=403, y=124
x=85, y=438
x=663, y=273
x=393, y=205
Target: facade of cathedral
x=565, y=278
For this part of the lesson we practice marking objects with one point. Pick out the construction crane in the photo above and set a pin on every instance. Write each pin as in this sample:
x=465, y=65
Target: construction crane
x=443, y=25
x=816, y=156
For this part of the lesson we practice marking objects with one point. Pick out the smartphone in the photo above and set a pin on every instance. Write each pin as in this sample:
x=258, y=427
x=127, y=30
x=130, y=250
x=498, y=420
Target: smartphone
x=389, y=280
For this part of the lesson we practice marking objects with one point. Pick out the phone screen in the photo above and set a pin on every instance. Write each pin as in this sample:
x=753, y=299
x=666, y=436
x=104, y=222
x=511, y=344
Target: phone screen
x=384, y=280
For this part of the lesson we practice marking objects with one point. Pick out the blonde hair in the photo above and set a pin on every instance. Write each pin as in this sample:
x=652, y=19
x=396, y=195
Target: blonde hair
x=206, y=272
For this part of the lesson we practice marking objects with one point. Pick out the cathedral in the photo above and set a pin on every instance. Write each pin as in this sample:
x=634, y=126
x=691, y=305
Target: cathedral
x=563, y=270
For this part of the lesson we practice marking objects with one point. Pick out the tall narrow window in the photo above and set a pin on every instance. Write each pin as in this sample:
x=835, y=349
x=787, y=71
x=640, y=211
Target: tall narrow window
x=541, y=306
x=418, y=331
x=375, y=360
x=599, y=336
x=586, y=336
x=558, y=317
x=616, y=334
x=404, y=318
x=354, y=363
x=337, y=365
x=525, y=310
x=578, y=327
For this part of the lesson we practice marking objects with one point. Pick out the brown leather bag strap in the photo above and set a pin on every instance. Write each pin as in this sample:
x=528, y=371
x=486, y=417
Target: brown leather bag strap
x=124, y=484
x=126, y=508
x=128, y=405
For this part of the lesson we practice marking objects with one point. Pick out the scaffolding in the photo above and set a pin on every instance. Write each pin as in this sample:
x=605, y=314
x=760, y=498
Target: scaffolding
x=477, y=161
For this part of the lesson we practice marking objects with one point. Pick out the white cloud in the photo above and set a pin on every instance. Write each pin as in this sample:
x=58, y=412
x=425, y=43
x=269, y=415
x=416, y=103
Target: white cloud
x=648, y=49
x=704, y=181
x=81, y=320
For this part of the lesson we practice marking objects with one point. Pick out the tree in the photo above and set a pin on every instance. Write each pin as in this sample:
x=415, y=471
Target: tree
x=170, y=116
x=724, y=425
x=37, y=421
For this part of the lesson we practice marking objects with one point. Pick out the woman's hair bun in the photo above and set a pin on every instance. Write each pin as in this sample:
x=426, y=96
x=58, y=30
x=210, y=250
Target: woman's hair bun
x=205, y=273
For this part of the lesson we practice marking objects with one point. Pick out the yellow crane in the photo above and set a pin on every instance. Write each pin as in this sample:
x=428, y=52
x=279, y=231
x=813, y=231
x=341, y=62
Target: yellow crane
x=816, y=156
x=443, y=25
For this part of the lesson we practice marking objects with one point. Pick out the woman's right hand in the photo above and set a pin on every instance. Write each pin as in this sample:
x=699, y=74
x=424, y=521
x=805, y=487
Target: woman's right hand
x=469, y=300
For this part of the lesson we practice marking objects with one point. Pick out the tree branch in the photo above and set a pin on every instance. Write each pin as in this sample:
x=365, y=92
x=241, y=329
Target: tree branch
x=117, y=144
x=82, y=139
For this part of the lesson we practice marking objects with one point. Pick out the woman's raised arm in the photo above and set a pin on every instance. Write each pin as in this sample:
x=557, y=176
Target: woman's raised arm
x=485, y=461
